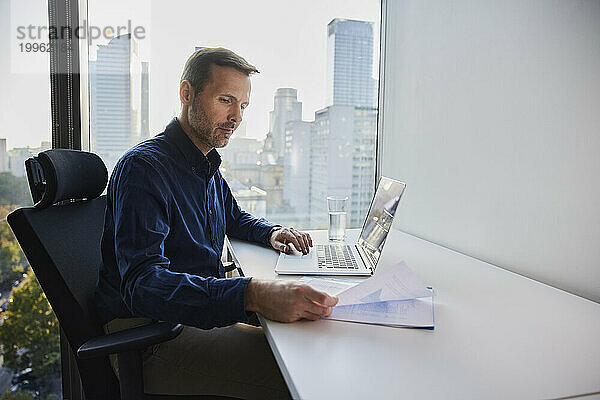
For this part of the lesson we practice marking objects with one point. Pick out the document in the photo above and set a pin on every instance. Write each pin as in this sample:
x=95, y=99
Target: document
x=395, y=283
x=331, y=286
x=414, y=313
x=395, y=297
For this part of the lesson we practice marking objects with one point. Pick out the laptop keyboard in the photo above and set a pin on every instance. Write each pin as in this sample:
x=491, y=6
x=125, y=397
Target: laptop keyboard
x=336, y=256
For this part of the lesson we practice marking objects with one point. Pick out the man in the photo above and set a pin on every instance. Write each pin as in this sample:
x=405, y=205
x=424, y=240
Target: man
x=168, y=210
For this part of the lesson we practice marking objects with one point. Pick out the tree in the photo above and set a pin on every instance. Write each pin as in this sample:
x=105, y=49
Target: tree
x=30, y=332
x=6, y=209
x=14, y=193
x=18, y=395
x=12, y=259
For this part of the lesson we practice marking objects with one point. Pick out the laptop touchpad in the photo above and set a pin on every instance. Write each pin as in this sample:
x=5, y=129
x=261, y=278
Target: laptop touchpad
x=295, y=261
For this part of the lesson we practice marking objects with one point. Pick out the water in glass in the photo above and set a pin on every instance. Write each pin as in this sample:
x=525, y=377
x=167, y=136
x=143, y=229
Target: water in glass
x=337, y=225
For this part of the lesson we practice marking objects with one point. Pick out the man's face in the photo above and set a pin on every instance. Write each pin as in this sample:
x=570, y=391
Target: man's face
x=217, y=111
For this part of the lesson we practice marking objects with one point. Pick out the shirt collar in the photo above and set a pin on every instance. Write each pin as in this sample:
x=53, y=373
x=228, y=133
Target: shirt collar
x=205, y=165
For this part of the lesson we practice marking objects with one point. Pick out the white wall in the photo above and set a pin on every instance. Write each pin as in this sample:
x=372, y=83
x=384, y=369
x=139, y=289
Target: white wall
x=491, y=115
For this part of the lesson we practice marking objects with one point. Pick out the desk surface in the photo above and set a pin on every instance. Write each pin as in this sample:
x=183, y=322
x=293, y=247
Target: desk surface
x=497, y=335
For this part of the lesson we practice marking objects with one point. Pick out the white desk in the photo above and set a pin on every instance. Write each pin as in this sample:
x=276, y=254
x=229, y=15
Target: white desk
x=497, y=335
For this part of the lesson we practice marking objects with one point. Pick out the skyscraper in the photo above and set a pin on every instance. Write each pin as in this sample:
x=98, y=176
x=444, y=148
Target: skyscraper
x=343, y=135
x=286, y=108
x=342, y=161
x=296, y=171
x=115, y=87
x=350, y=63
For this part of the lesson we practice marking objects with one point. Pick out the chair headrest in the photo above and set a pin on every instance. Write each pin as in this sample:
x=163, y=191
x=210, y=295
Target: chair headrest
x=60, y=174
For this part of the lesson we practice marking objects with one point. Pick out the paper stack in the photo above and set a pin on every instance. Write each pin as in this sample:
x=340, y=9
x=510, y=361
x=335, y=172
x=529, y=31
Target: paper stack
x=394, y=297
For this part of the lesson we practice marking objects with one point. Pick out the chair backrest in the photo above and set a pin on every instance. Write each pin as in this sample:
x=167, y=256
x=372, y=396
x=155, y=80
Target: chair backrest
x=62, y=245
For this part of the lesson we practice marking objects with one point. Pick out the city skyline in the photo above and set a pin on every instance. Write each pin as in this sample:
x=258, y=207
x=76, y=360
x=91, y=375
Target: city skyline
x=13, y=160
x=302, y=162
x=289, y=52
x=121, y=63
x=307, y=149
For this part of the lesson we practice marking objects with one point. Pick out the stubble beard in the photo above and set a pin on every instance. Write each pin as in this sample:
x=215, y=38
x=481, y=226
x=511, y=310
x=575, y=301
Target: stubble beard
x=203, y=130
x=200, y=124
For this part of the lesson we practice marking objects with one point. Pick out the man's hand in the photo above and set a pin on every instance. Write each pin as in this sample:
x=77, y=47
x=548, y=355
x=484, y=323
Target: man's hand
x=287, y=301
x=283, y=237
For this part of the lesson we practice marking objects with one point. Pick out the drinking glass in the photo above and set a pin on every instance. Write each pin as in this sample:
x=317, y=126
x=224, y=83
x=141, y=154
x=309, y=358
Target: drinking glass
x=338, y=208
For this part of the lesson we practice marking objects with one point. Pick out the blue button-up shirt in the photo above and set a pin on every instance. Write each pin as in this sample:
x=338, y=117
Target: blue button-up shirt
x=168, y=210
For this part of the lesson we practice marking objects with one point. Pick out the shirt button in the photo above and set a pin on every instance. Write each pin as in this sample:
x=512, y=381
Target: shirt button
x=210, y=211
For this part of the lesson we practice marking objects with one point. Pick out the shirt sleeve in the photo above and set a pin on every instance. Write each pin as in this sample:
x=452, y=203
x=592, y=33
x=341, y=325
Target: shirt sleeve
x=243, y=225
x=140, y=209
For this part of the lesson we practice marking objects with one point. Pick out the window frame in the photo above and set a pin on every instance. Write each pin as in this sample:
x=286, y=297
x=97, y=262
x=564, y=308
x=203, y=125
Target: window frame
x=65, y=77
x=65, y=85
x=380, y=94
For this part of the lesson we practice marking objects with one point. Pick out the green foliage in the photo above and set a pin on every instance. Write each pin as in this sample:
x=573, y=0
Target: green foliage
x=14, y=190
x=18, y=395
x=12, y=259
x=6, y=209
x=30, y=332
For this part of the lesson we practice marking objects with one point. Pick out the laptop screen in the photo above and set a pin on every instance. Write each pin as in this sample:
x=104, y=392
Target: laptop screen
x=379, y=219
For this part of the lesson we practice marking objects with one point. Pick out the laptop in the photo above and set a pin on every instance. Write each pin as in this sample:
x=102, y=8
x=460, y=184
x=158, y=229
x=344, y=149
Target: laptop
x=341, y=258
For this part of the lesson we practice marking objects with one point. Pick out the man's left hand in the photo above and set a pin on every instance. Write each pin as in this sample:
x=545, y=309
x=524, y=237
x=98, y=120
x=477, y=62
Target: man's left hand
x=282, y=238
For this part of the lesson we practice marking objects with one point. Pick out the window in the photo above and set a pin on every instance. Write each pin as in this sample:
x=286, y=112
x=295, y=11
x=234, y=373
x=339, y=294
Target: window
x=310, y=130
x=29, y=333
x=312, y=117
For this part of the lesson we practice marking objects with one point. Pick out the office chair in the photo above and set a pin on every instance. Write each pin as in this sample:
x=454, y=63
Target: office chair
x=62, y=244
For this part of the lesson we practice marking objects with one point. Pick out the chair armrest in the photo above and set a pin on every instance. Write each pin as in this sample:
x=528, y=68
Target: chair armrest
x=129, y=339
x=229, y=266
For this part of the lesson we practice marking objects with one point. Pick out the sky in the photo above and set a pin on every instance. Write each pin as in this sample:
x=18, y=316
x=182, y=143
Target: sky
x=285, y=40
x=24, y=96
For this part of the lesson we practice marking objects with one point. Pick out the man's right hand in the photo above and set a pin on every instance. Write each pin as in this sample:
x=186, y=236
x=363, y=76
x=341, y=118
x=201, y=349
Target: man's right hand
x=287, y=301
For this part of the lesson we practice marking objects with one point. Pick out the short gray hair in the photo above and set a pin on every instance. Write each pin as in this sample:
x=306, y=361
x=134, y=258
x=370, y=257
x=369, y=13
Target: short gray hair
x=197, y=67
